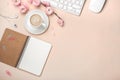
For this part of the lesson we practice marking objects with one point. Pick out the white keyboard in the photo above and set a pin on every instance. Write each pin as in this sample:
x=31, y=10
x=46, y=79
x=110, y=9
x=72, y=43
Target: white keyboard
x=70, y=6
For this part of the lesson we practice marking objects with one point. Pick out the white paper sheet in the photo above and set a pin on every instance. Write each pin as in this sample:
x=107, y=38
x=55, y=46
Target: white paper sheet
x=34, y=56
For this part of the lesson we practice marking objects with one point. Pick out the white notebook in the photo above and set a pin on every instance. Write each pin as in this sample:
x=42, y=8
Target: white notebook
x=34, y=56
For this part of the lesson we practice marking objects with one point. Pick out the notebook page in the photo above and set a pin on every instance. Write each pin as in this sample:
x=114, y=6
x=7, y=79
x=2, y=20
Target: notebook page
x=34, y=56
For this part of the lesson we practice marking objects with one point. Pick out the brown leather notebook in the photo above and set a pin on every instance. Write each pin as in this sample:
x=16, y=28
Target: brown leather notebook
x=11, y=47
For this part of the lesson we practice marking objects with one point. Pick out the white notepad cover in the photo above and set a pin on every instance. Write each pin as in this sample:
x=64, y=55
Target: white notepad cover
x=34, y=56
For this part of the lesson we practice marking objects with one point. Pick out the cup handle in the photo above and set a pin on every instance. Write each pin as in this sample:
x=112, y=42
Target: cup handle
x=43, y=24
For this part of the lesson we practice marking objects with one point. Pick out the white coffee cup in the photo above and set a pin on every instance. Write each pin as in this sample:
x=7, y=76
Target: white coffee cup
x=36, y=21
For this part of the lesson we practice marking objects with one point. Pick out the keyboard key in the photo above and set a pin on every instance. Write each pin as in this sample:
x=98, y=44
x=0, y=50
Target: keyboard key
x=60, y=6
x=76, y=6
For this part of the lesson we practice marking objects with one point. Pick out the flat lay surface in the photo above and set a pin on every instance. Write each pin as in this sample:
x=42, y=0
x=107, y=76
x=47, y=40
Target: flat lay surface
x=86, y=48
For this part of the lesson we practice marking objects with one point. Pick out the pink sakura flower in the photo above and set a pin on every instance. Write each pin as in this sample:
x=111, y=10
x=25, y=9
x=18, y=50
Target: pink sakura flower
x=36, y=3
x=45, y=3
x=17, y=2
x=60, y=22
x=49, y=11
x=23, y=8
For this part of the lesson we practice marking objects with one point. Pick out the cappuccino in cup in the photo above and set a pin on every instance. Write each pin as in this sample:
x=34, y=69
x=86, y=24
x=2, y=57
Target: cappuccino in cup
x=36, y=20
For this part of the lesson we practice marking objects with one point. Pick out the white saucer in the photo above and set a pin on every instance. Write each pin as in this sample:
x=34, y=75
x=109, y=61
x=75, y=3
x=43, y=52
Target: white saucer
x=29, y=27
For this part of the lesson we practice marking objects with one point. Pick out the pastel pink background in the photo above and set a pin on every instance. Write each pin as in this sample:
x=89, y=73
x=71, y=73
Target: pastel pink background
x=86, y=48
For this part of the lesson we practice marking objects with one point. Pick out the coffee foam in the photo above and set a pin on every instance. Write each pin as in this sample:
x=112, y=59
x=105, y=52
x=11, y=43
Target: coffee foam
x=36, y=20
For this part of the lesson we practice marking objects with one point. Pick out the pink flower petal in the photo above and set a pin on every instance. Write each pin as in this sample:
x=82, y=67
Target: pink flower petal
x=60, y=22
x=8, y=73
